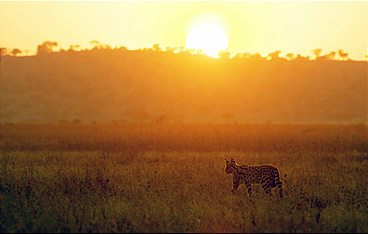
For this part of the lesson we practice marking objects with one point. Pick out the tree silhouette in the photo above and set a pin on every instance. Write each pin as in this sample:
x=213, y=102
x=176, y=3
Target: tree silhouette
x=156, y=47
x=95, y=44
x=331, y=55
x=3, y=51
x=50, y=47
x=274, y=55
x=343, y=55
x=300, y=57
x=74, y=48
x=46, y=47
x=242, y=56
x=290, y=56
x=15, y=52
x=317, y=53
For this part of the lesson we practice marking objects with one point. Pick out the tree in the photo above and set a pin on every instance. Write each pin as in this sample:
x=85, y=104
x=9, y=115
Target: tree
x=74, y=48
x=156, y=47
x=15, y=52
x=343, y=55
x=46, y=47
x=290, y=56
x=300, y=57
x=331, y=55
x=123, y=48
x=95, y=44
x=242, y=56
x=274, y=55
x=317, y=53
x=3, y=51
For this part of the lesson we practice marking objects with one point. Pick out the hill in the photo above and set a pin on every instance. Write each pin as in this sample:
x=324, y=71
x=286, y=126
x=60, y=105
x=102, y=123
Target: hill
x=120, y=85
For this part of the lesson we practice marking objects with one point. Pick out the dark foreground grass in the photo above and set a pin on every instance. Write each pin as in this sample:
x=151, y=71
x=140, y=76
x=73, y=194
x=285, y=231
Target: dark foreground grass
x=158, y=189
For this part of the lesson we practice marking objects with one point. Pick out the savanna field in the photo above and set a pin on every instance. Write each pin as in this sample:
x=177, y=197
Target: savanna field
x=170, y=178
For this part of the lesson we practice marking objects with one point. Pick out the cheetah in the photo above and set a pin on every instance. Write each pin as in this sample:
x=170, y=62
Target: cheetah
x=266, y=175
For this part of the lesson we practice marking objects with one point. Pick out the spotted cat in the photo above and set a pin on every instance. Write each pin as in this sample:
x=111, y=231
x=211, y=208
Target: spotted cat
x=266, y=175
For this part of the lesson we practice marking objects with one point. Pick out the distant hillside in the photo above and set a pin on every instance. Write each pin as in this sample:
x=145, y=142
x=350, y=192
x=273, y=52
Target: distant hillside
x=106, y=85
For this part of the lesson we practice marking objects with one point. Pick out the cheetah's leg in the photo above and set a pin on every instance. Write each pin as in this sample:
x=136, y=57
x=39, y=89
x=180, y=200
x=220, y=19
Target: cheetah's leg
x=249, y=187
x=236, y=183
x=267, y=188
x=279, y=186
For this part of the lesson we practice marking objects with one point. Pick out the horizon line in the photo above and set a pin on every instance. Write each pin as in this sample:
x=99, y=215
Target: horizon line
x=95, y=44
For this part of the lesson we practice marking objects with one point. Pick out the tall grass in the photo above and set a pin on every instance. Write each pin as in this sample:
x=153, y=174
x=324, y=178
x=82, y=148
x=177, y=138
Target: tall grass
x=171, y=178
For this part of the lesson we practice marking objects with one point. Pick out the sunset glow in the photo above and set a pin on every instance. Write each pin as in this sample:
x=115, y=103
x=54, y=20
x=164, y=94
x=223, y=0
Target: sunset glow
x=254, y=27
x=208, y=37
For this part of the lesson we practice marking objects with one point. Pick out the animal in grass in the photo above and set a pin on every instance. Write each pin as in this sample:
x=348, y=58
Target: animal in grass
x=266, y=175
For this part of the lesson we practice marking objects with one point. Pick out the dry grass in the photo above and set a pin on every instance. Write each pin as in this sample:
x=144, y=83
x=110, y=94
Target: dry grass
x=81, y=178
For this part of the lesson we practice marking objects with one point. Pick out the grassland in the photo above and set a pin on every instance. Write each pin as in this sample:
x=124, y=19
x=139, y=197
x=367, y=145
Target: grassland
x=170, y=178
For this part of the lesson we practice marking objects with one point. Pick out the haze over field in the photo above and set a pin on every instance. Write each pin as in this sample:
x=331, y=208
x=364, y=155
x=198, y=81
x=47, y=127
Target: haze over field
x=151, y=85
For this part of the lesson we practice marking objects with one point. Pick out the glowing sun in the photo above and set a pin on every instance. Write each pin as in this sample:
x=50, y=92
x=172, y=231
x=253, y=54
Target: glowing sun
x=209, y=37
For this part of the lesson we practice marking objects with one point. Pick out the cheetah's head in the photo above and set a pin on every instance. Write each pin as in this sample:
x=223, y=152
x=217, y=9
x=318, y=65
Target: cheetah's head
x=229, y=164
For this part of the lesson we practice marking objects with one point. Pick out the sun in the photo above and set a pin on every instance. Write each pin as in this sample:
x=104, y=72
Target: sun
x=210, y=37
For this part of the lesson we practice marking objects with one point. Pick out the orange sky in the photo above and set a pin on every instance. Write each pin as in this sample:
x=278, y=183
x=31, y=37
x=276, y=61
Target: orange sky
x=250, y=26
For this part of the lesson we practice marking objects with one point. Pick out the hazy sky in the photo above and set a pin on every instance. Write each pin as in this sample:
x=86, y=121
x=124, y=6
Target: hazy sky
x=251, y=26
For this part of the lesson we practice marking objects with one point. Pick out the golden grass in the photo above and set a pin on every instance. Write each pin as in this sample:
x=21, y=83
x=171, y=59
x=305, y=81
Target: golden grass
x=106, y=178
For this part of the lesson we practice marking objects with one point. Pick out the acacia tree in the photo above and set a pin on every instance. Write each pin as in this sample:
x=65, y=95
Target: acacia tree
x=156, y=47
x=274, y=55
x=331, y=55
x=15, y=52
x=290, y=56
x=317, y=53
x=343, y=55
x=46, y=47
x=95, y=44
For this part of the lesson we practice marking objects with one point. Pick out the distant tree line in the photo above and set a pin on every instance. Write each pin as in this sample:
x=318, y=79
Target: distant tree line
x=48, y=47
